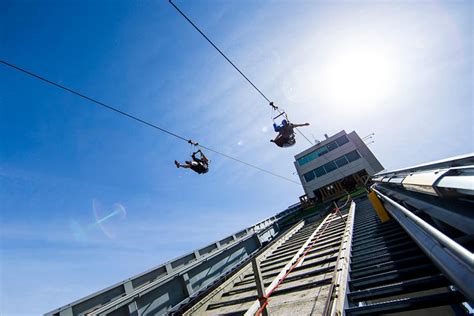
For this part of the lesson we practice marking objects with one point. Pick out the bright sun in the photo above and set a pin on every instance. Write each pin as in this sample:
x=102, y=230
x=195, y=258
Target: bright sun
x=358, y=75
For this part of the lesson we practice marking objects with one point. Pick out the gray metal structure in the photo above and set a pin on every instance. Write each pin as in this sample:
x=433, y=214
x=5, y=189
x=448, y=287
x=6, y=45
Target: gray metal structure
x=159, y=289
x=353, y=264
x=338, y=158
x=453, y=259
x=412, y=262
x=434, y=203
x=310, y=249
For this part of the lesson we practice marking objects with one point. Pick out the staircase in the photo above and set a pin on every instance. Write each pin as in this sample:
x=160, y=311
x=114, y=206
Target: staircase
x=390, y=274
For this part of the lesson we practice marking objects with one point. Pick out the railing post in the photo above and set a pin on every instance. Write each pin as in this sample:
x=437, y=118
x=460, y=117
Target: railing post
x=132, y=307
x=259, y=282
x=188, y=289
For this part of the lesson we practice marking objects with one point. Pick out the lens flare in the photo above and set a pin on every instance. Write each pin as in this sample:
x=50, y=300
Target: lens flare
x=102, y=216
x=103, y=221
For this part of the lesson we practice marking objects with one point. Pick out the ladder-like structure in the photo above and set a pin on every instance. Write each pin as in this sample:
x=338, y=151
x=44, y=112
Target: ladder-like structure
x=312, y=252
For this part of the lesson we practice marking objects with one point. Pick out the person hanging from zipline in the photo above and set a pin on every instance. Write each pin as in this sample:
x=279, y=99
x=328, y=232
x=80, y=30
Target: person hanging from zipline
x=199, y=165
x=285, y=130
x=286, y=133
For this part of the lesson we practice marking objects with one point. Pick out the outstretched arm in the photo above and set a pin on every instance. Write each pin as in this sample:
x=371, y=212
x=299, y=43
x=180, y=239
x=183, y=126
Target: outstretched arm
x=299, y=125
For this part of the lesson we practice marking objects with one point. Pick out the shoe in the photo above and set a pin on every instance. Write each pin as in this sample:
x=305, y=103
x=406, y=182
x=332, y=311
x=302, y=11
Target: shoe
x=176, y=163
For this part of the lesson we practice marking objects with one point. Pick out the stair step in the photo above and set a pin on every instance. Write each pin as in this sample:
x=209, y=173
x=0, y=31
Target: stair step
x=407, y=304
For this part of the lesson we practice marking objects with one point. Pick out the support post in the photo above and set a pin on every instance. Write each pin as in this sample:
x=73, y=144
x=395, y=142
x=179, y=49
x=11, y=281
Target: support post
x=132, y=307
x=378, y=206
x=188, y=289
x=259, y=282
x=323, y=193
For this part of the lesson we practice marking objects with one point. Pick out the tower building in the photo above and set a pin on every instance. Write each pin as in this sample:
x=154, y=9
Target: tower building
x=340, y=162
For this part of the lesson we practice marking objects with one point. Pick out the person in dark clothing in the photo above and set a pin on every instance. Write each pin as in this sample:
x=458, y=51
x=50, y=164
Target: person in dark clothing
x=199, y=165
x=286, y=133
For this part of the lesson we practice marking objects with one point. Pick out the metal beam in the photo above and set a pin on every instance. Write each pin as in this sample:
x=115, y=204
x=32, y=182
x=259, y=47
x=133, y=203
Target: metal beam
x=335, y=304
x=259, y=282
x=450, y=257
x=445, y=163
x=461, y=218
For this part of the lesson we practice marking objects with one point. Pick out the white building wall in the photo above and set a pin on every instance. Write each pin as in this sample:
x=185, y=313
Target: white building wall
x=367, y=162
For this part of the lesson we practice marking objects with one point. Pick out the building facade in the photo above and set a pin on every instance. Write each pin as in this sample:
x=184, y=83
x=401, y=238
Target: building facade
x=339, y=163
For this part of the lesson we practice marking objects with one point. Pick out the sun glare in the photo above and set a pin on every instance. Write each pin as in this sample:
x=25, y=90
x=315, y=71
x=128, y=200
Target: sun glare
x=359, y=76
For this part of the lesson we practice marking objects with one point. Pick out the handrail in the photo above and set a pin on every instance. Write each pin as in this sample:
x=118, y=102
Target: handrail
x=335, y=304
x=444, y=163
x=461, y=252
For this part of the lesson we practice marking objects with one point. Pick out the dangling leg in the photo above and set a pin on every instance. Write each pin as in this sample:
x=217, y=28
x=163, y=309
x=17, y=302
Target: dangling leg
x=186, y=165
x=279, y=140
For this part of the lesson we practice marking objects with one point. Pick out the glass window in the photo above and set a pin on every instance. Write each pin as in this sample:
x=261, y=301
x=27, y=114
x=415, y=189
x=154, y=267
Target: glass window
x=342, y=140
x=311, y=156
x=305, y=159
x=341, y=161
x=317, y=153
x=330, y=166
x=352, y=156
x=319, y=171
x=332, y=146
x=309, y=176
x=323, y=150
x=302, y=161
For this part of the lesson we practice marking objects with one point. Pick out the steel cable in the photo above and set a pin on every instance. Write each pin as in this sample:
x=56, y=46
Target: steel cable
x=230, y=62
x=137, y=119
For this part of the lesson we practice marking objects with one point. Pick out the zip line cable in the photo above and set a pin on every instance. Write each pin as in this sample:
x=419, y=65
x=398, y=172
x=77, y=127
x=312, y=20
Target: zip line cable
x=90, y=99
x=137, y=119
x=230, y=62
x=223, y=55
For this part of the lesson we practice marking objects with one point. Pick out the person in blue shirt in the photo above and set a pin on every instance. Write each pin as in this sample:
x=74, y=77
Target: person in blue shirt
x=286, y=133
x=279, y=127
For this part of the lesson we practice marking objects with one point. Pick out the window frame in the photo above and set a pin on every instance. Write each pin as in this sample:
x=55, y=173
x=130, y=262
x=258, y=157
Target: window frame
x=319, y=168
x=309, y=173
x=342, y=157
x=329, y=163
x=353, y=152
x=332, y=143
x=342, y=137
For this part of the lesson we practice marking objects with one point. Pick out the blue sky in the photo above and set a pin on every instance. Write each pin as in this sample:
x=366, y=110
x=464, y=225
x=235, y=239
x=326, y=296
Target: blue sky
x=403, y=70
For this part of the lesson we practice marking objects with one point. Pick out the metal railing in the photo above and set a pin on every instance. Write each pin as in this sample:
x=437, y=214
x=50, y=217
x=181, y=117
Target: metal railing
x=433, y=202
x=461, y=252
